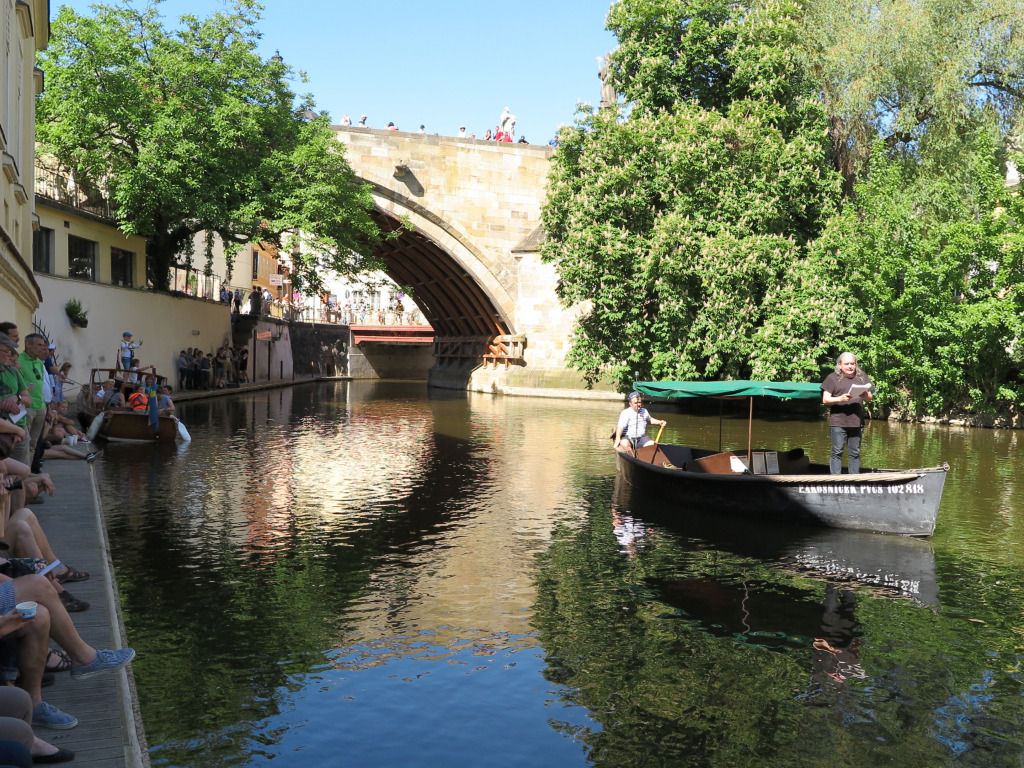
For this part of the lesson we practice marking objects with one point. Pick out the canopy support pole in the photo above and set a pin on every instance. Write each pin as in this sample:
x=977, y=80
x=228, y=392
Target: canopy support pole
x=750, y=436
x=721, y=407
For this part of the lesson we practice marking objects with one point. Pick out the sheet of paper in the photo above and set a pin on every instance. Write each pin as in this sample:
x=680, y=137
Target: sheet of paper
x=771, y=462
x=859, y=389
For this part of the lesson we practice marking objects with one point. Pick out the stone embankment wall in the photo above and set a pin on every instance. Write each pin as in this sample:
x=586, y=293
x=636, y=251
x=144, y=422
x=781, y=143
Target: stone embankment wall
x=320, y=349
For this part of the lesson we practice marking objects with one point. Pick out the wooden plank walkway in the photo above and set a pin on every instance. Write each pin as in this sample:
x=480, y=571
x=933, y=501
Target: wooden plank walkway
x=109, y=732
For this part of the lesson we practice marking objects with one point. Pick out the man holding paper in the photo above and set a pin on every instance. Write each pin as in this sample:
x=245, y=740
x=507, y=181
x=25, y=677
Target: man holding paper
x=845, y=390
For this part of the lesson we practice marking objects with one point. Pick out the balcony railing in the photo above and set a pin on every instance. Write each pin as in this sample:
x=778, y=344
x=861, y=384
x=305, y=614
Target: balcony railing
x=62, y=188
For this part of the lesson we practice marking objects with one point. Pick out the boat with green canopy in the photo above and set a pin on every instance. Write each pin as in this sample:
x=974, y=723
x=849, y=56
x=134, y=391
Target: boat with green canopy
x=783, y=486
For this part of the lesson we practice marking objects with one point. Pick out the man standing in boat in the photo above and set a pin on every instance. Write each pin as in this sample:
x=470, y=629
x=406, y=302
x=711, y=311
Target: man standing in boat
x=845, y=390
x=631, y=431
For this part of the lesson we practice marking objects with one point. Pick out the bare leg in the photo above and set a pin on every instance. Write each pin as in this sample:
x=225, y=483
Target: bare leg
x=33, y=648
x=61, y=628
x=28, y=517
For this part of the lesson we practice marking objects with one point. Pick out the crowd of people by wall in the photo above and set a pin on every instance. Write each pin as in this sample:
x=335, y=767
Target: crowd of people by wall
x=228, y=366
x=38, y=638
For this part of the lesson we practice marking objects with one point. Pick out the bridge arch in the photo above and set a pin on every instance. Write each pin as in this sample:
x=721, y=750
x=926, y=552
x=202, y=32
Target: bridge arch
x=471, y=259
x=451, y=278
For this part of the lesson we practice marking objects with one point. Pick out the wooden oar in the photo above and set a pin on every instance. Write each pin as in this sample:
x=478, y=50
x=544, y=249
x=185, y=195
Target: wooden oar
x=657, y=441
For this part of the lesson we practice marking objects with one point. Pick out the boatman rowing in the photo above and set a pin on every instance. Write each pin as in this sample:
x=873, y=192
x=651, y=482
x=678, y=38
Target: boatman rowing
x=631, y=431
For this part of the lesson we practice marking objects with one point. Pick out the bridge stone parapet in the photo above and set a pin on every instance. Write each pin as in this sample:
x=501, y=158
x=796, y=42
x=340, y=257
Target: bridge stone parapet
x=470, y=254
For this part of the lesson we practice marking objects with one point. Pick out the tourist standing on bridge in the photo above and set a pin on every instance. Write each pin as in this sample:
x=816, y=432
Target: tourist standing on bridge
x=362, y=122
x=346, y=120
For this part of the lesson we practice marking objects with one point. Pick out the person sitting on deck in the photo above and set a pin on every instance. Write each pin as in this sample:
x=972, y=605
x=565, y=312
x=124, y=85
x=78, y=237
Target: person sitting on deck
x=60, y=420
x=631, y=431
x=20, y=528
x=16, y=718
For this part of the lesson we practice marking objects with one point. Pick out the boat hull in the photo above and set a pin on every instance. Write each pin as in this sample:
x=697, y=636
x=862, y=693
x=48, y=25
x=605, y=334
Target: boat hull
x=904, y=502
x=134, y=427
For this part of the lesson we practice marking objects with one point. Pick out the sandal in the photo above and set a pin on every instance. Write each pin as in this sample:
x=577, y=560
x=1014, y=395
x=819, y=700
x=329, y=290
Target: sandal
x=71, y=603
x=62, y=663
x=70, y=575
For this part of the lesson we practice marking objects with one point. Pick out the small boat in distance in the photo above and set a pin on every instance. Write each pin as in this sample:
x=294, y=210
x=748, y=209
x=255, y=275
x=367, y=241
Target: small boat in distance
x=784, y=487
x=124, y=424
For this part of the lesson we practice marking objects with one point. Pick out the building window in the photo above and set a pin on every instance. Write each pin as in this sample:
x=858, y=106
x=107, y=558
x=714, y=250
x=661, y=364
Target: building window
x=42, y=250
x=121, y=263
x=82, y=258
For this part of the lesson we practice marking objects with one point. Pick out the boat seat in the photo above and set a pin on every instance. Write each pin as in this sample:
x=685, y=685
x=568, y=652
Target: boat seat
x=670, y=456
x=715, y=464
x=792, y=462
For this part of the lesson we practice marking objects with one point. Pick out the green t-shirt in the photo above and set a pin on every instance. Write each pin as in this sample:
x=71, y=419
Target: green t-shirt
x=32, y=371
x=11, y=383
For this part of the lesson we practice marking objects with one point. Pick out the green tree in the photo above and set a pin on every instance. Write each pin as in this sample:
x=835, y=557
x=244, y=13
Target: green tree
x=676, y=225
x=190, y=130
x=899, y=72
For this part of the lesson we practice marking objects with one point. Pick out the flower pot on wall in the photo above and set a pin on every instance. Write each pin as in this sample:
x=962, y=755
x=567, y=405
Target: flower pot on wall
x=76, y=313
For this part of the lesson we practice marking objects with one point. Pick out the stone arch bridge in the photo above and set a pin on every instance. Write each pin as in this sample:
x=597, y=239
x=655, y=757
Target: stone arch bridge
x=471, y=256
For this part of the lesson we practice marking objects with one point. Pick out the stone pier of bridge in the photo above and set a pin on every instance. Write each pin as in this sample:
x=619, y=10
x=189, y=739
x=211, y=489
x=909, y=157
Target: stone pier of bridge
x=468, y=250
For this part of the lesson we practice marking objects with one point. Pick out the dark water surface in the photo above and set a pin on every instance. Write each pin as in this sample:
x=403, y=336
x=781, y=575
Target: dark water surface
x=374, y=574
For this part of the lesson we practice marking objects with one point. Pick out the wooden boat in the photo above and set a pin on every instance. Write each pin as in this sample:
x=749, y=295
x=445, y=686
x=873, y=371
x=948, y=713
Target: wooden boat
x=782, y=487
x=899, y=566
x=123, y=424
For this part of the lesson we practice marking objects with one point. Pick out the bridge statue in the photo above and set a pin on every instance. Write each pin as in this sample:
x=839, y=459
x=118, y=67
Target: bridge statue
x=507, y=123
x=608, y=95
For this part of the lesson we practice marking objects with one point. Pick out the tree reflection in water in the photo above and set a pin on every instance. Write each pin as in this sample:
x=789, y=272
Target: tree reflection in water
x=696, y=649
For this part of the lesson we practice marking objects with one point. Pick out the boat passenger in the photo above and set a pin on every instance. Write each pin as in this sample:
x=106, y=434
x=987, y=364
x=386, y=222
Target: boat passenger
x=631, y=431
x=845, y=390
x=107, y=396
x=138, y=401
x=166, y=405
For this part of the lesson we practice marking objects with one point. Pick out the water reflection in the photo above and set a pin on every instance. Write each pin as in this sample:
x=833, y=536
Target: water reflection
x=426, y=578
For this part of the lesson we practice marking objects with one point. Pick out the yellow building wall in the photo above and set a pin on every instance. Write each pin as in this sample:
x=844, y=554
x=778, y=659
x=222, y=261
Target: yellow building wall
x=24, y=28
x=164, y=323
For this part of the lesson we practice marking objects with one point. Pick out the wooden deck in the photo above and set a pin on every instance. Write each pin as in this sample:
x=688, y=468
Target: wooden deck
x=109, y=732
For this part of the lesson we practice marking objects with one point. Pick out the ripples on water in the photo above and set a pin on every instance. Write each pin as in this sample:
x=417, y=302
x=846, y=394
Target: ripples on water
x=371, y=574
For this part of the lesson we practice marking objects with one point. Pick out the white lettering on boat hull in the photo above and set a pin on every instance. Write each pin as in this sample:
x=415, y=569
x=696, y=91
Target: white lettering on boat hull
x=838, y=490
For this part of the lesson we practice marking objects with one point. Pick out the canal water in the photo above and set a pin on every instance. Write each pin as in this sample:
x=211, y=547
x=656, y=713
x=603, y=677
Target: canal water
x=378, y=574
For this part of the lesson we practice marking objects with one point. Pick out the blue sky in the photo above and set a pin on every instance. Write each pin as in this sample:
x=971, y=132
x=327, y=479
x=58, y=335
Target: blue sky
x=441, y=63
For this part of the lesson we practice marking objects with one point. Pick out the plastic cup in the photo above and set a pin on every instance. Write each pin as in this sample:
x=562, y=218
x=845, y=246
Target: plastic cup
x=26, y=609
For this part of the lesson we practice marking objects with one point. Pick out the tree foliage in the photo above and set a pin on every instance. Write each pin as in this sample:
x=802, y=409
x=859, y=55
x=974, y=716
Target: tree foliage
x=678, y=225
x=188, y=129
x=788, y=180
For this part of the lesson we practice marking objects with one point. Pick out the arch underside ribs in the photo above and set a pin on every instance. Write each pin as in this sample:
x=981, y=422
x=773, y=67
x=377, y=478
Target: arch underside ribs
x=451, y=300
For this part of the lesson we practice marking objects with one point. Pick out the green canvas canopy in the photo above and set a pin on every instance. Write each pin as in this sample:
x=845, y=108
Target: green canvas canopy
x=800, y=390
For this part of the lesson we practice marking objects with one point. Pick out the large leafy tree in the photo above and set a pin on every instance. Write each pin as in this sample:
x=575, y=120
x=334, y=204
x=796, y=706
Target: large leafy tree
x=676, y=226
x=787, y=180
x=189, y=130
